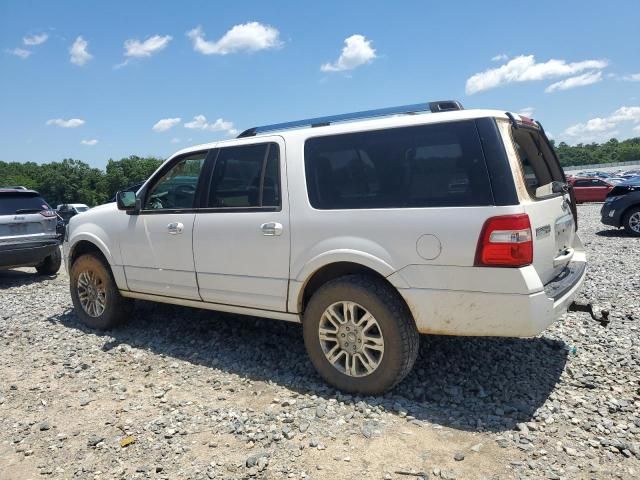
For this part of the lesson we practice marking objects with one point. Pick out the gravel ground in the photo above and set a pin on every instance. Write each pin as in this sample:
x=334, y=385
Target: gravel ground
x=187, y=394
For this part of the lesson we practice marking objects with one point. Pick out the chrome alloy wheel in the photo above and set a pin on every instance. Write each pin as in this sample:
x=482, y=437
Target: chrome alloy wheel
x=351, y=339
x=634, y=222
x=91, y=293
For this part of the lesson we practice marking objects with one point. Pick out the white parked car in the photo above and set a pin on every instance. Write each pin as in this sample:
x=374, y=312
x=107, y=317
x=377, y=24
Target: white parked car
x=369, y=228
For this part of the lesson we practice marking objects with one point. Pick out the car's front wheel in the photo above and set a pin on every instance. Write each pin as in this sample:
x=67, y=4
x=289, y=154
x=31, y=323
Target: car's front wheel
x=95, y=296
x=359, y=335
x=631, y=221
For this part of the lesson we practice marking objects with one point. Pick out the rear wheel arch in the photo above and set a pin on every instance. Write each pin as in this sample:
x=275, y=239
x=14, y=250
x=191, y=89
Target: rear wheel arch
x=335, y=270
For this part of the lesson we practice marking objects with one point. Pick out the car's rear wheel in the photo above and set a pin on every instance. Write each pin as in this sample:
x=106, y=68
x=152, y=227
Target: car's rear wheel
x=95, y=296
x=631, y=221
x=359, y=335
x=51, y=264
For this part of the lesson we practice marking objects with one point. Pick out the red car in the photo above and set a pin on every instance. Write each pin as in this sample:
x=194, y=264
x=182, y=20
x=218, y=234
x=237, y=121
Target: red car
x=589, y=189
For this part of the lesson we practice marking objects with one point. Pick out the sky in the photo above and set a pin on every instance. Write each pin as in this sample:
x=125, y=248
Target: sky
x=108, y=79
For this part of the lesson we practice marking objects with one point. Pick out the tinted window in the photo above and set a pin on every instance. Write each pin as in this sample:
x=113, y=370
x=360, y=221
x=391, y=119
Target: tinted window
x=10, y=204
x=582, y=183
x=246, y=176
x=425, y=166
x=176, y=189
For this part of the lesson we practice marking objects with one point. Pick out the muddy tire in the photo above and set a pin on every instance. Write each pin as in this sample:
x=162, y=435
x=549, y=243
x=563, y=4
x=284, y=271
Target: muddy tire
x=360, y=335
x=95, y=296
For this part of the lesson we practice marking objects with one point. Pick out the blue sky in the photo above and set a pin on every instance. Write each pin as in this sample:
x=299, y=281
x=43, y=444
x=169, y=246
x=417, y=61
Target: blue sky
x=90, y=80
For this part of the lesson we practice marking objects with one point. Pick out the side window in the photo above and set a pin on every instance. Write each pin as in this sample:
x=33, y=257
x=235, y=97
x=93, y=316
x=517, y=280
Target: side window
x=425, y=166
x=246, y=176
x=582, y=183
x=176, y=189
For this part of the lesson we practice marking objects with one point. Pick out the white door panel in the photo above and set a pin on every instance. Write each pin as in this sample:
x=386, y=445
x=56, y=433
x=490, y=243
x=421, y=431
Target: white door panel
x=242, y=256
x=237, y=264
x=155, y=259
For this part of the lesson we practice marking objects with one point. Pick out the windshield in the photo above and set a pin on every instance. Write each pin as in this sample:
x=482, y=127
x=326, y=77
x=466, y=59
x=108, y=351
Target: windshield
x=82, y=209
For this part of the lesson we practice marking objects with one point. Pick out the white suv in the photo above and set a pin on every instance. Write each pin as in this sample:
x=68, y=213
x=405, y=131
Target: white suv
x=369, y=228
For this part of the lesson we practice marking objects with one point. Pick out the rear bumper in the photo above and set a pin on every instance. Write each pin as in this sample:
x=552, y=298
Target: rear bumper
x=455, y=312
x=26, y=255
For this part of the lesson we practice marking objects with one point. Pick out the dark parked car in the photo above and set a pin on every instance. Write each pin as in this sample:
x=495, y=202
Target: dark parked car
x=28, y=231
x=590, y=189
x=622, y=207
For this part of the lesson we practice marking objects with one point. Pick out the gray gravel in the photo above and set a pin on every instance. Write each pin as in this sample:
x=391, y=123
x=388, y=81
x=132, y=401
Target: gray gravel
x=189, y=394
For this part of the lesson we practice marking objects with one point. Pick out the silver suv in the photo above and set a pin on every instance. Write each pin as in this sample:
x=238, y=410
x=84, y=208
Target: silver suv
x=28, y=231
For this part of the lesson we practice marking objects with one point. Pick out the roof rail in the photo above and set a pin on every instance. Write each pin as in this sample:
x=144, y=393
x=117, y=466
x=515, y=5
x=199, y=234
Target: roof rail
x=434, y=107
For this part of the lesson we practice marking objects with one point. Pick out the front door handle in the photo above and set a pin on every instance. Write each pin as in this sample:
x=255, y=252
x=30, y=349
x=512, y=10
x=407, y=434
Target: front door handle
x=271, y=229
x=175, y=227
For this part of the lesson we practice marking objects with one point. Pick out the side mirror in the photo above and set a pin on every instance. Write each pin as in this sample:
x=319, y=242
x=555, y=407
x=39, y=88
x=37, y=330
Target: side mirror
x=127, y=201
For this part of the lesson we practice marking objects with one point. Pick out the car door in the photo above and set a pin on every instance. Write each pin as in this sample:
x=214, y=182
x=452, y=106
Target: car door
x=156, y=243
x=581, y=189
x=241, y=238
x=600, y=189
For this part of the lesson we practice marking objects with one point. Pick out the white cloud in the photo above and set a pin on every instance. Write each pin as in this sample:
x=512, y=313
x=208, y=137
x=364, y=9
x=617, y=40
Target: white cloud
x=20, y=52
x=136, y=48
x=527, y=112
x=165, y=124
x=588, y=78
x=357, y=51
x=71, y=123
x=35, y=39
x=248, y=37
x=199, y=122
x=636, y=128
x=175, y=140
x=524, y=68
x=500, y=57
x=89, y=143
x=600, y=128
x=79, y=53
x=634, y=77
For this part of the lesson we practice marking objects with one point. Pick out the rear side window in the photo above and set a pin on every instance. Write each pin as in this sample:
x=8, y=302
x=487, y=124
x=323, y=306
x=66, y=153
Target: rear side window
x=539, y=164
x=246, y=176
x=425, y=166
x=12, y=204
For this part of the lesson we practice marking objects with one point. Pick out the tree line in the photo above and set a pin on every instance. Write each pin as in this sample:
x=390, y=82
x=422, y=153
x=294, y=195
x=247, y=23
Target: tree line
x=74, y=181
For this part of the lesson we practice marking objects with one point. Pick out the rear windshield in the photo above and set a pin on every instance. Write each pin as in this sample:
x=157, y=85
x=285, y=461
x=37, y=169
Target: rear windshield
x=10, y=204
x=424, y=166
x=539, y=164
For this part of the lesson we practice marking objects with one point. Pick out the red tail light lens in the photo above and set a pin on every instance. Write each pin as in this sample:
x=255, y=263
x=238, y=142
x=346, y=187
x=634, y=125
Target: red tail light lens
x=505, y=241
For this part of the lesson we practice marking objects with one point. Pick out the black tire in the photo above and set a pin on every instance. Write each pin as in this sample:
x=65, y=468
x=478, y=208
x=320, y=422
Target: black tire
x=397, y=329
x=116, y=307
x=51, y=264
x=627, y=222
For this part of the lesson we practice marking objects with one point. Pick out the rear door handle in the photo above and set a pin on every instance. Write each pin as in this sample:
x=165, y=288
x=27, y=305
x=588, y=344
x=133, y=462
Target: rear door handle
x=175, y=227
x=271, y=229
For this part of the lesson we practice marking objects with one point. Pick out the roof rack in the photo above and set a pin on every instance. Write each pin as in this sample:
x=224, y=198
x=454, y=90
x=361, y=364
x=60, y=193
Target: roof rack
x=434, y=107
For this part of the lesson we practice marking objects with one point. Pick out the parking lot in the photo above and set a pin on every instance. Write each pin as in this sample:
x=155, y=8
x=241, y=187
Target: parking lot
x=178, y=393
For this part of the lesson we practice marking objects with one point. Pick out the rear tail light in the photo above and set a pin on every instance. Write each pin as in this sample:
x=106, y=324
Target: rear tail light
x=48, y=213
x=505, y=241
